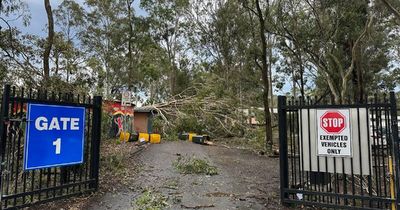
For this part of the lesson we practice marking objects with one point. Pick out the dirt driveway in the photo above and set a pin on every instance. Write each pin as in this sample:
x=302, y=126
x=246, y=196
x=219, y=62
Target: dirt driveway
x=245, y=180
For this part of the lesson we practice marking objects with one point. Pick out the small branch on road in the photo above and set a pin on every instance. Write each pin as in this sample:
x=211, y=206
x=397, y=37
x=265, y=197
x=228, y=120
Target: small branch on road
x=198, y=207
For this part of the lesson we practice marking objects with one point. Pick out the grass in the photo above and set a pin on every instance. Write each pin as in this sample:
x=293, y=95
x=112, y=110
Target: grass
x=192, y=165
x=150, y=200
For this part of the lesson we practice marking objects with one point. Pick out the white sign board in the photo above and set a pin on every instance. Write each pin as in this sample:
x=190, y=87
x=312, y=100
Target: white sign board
x=334, y=133
x=360, y=142
x=126, y=98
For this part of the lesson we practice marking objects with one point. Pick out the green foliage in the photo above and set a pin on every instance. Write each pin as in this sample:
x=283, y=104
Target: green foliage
x=189, y=123
x=207, y=51
x=193, y=165
x=14, y=8
x=150, y=200
x=255, y=139
x=169, y=133
x=318, y=46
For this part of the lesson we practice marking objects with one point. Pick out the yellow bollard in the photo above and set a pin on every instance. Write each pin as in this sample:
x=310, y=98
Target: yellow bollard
x=155, y=138
x=392, y=195
x=191, y=136
x=121, y=136
x=124, y=136
x=144, y=137
x=127, y=135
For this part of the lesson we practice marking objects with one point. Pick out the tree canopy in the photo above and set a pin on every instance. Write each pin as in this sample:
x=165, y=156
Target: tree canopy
x=239, y=51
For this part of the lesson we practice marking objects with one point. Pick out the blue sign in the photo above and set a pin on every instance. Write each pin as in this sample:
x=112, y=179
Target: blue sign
x=54, y=136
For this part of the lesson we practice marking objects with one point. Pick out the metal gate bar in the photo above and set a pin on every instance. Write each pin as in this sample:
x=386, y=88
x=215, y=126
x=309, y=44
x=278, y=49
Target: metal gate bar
x=21, y=188
x=370, y=187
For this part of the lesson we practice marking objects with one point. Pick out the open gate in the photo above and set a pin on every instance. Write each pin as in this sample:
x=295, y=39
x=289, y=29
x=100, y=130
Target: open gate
x=366, y=177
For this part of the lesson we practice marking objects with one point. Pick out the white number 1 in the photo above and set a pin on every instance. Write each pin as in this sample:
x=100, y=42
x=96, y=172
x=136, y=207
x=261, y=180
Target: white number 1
x=57, y=143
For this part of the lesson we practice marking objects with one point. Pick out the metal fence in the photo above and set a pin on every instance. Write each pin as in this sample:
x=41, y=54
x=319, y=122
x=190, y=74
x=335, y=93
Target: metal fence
x=367, y=180
x=21, y=188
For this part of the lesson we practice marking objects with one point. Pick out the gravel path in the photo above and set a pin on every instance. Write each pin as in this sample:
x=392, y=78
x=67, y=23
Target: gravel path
x=245, y=180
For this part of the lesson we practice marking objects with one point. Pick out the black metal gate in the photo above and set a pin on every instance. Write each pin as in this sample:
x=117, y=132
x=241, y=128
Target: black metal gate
x=21, y=188
x=373, y=187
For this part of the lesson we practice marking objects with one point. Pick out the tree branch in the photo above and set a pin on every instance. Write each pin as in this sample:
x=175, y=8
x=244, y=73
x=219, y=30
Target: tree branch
x=392, y=9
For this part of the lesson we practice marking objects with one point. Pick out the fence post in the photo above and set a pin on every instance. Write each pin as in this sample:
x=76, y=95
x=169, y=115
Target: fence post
x=3, y=131
x=395, y=140
x=96, y=136
x=4, y=115
x=283, y=156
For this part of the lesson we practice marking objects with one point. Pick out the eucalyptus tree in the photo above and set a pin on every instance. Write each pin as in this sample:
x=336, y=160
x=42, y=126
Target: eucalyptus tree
x=168, y=23
x=220, y=37
x=70, y=19
x=102, y=41
x=337, y=38
x=260, y=14
x=18, y=52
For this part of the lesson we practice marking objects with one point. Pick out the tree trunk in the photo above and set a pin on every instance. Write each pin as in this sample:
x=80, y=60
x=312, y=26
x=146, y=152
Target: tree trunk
x=131, y=34
x=173, y=71
x=301, y=78
x=173, y=78
x=293, y=80
x=270, y=42
x=49, y=43
x=360, y=79
x=264, y=71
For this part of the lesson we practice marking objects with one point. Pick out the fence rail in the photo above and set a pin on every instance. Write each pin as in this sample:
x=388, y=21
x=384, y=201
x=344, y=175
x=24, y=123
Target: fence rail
x=362, y=181
x=20, y=188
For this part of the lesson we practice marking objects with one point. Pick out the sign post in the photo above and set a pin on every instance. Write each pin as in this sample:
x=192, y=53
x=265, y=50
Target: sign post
x=333, y=133
x=126, y=98
x=54, y=136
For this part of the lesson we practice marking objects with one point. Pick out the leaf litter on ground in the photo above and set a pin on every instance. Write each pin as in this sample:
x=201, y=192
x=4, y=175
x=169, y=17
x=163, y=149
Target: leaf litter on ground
x=193, y=165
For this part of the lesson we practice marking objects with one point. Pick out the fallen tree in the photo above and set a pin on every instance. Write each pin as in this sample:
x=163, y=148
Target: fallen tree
x=199, y=109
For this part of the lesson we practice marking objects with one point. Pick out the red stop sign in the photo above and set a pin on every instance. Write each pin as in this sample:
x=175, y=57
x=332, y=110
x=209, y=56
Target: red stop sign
x=333, y=122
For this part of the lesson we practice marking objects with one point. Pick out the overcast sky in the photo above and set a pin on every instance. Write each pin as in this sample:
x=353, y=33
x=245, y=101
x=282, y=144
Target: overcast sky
x=39, y=18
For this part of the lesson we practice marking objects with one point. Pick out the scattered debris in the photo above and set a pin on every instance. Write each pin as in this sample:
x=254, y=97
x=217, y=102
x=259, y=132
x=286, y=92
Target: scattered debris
x=114, y=168
x=219, y=194
x=196, y=110
x=177, y=199
x=150, y=200
x=275, y=153
x=209, y=143
x=194, y=166
x=197, y=207
x=171, y=184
